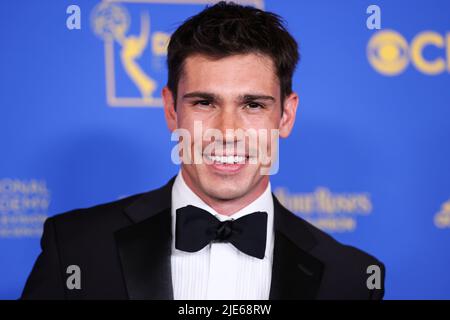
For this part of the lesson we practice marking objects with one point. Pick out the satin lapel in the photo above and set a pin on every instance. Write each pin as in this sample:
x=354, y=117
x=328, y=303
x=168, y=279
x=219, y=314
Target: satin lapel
x=144, y=247
x=296, y=274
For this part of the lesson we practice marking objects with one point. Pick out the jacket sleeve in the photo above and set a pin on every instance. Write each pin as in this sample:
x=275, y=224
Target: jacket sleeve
x=45, y=280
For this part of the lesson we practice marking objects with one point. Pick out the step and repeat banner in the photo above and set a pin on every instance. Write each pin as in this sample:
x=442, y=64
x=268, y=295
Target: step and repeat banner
x=81, y=123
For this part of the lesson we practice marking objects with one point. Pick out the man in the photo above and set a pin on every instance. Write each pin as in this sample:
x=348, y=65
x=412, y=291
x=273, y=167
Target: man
x=215, y=231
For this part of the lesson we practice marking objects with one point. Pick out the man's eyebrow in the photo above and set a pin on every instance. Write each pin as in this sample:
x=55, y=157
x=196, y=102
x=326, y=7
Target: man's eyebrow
x=214, y=97
x=202, y=95
x=250, y=97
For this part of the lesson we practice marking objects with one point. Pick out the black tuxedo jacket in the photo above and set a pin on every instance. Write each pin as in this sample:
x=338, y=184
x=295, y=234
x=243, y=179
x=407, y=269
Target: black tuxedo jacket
x=123, y=251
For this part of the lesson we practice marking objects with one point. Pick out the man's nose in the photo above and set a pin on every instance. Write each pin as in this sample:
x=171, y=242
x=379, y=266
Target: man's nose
x=228, y=122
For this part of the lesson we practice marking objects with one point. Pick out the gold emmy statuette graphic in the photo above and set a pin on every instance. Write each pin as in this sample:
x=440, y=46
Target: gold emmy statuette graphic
x=111, y=23
x=132, y=48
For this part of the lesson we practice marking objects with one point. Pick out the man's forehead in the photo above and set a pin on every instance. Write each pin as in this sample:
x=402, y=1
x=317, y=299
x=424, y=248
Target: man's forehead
x=235, y=59
x=253, y=72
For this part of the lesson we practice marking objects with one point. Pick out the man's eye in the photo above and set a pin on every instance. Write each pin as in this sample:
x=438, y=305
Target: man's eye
x=253, y=105
x=202, y=103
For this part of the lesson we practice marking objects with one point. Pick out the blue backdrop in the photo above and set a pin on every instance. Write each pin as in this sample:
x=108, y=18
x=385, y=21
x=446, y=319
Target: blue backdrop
x=368, y=160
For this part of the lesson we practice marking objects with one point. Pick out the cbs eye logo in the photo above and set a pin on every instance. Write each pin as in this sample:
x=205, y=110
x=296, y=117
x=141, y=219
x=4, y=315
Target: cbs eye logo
x=389, y=53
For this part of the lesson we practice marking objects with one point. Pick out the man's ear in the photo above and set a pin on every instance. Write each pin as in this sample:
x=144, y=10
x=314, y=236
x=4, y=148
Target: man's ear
x=289, y=112
x=169, y=109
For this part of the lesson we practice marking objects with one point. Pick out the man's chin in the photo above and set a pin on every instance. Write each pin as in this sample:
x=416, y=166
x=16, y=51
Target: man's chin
x=225, y=194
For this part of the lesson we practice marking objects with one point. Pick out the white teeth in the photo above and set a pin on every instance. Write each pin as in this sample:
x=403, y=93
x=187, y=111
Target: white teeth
x=226, y=159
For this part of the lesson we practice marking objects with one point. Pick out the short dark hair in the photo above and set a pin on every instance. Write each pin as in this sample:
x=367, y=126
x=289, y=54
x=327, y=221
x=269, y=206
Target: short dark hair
x=226, y=29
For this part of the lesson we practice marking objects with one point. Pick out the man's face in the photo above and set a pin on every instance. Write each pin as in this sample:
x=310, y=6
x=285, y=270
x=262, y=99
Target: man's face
x=235, y=92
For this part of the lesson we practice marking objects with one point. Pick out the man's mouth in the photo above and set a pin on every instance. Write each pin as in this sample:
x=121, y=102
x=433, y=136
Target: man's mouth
x=226, y=165
x=236, y=159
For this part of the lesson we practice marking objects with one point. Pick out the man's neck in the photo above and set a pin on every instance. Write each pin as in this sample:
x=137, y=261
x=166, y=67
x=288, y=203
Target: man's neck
x=227, y=207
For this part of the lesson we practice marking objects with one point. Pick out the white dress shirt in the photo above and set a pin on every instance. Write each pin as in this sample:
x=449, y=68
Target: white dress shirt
x=219, y=270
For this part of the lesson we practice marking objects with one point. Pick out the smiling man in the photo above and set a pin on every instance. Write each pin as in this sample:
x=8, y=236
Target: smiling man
x=215, y=231
x=236, y=92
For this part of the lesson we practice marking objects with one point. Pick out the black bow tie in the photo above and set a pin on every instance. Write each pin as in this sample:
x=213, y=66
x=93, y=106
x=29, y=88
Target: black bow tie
x=196, y=228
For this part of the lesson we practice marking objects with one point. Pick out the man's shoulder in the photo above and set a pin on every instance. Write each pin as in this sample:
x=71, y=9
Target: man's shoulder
x=98, y=221
x=101, y=213
x=86, y=238
x=333, y=253
x=114, y=212
x=332, y=248
x=346, y=267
